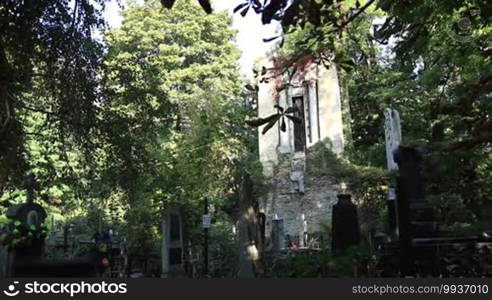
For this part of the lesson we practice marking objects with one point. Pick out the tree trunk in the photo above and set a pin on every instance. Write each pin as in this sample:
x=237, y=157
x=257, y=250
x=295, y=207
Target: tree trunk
x=249, y=233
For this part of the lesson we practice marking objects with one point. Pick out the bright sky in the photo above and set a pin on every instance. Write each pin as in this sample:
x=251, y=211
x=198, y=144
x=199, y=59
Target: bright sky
x=250, y=35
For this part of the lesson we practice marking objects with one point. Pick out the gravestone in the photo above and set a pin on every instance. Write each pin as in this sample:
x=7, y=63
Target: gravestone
x=28, y=214
x=172, y=247
x=393, y=138
x=278, y=239
x=345, y=224
x=415, y=216
x=392, y=133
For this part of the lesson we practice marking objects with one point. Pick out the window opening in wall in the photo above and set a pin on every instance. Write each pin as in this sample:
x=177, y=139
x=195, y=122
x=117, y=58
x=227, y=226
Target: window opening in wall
x=308, y=120
x=317, y=110
x=299, y=129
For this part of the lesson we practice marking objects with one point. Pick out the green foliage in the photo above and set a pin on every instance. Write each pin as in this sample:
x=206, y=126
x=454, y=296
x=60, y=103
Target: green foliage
x=175, y=115
x=458, y=184
x=14, y=234
x=223, y=249
x=366, y=184
x=296, y=265
x=356, y=261
x=49, y=63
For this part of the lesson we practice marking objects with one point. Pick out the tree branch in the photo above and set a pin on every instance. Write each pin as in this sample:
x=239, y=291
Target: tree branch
x=481, y=87
x=352, y=17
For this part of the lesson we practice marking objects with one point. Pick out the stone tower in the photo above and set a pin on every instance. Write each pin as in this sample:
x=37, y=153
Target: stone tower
x=303, y=202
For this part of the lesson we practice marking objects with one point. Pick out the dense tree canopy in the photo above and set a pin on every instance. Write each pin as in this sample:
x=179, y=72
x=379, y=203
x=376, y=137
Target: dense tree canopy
x=49, y=63
x=174, y=99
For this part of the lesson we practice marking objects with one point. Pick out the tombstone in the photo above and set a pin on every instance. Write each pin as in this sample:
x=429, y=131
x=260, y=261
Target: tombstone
x=278, y=239
x=415, y=215
x=28, y=214
x=393, y=137
x=172, y=243
x=345, y=224
x=392, y=132
x=378, y=239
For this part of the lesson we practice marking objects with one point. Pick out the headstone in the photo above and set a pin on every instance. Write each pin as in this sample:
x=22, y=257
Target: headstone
x=278, y=239
x=172, y=243
x=409, y=160
x=378, y=239
x=415, y=216
x=392, y=132
x=345, y=224
x=29, y=214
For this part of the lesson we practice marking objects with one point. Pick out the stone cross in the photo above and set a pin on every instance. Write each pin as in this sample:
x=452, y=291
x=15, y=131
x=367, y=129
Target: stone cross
x=392, y=132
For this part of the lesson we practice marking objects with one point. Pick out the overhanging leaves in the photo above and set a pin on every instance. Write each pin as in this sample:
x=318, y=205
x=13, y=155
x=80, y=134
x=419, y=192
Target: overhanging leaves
x=260, y=121
x=271, y=123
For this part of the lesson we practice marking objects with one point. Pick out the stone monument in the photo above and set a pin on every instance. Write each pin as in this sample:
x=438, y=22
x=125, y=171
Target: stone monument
x=345, y=224
x=415, y=216
x=278, y=239
x=172, y=247
x=393, y=137
x=392, y=133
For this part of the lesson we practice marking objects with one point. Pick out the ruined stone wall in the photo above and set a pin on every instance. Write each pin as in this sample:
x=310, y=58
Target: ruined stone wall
x=303, y=201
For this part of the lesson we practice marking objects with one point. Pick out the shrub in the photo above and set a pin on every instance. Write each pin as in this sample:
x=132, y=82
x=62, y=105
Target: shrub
x=367, y=185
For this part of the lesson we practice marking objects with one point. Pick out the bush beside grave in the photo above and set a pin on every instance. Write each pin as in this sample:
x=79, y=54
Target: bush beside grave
x=367, y=185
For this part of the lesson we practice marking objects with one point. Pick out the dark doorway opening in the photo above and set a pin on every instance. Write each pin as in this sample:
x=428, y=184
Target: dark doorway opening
x=299, y=128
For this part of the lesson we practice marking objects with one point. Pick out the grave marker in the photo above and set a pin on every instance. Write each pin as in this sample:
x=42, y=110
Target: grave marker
x=393, y=137
x=345, y=224
x=278, y=239
x=392, y=133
